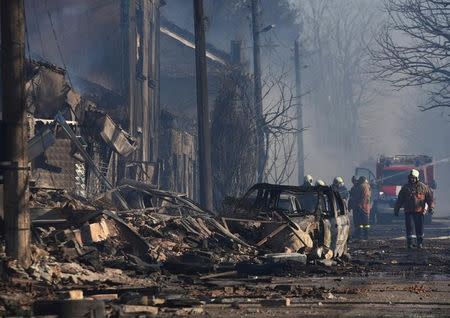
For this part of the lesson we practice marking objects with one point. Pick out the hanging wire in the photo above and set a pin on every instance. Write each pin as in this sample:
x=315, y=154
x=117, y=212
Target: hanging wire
x=38, y=28
x=72, y=111
x=57, y=43
x=27, y=39
x=27, y=35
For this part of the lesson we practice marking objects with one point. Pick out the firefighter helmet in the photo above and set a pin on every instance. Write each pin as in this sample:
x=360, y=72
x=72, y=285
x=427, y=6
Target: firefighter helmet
x=339, y=181
x=309, y=179
x=362, y=180
x=414, y=173
x=320, y=183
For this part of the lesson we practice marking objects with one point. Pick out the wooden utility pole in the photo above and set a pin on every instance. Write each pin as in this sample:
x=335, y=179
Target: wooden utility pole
x=144, y=61
x=15, y=132
x=260, y=149
x=204, y=131
x=154, y=83
x=298, y=92
x=129, y=53
x=128, y=75
x=140, y=80
x=149, y=79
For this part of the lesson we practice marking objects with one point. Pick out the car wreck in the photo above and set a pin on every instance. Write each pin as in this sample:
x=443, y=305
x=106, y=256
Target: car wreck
x=289, y=219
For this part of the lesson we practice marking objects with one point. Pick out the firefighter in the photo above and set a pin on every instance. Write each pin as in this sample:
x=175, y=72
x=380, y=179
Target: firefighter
x=413, y=197
x=339, y=186
x=308, y=181
x=360, y=197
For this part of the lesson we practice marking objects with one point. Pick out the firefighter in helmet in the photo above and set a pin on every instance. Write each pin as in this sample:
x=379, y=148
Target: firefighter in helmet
x=339, y=186
x=308, y=181
x=414, y=197
x=360, y=203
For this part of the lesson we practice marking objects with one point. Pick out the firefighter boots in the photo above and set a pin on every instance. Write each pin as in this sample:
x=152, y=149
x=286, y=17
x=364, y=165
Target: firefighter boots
x=409, y=243
x=357, y=234
x=419, y=242
x=366, y=233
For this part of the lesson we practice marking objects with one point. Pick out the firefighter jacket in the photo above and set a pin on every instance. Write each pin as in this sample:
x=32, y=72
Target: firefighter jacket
x=413, y=197
x=360, y=196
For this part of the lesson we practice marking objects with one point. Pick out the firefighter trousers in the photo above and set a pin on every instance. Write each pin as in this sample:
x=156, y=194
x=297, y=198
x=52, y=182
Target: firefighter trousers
x=414, y=222
x=362, y=225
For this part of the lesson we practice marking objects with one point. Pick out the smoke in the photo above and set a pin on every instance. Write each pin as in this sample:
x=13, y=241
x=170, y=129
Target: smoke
x=382, y=120
x=335, y=39
x=397, y=126
x=231, y=20
x=387, y=122
x=342, y=133
x=81, y=36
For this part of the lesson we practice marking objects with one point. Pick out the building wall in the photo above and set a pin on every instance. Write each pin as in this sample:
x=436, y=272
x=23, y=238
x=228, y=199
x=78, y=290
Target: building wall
x=178, y=160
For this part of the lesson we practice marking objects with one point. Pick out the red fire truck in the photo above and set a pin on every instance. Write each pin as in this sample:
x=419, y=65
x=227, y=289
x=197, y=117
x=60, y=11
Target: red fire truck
x=391, y=174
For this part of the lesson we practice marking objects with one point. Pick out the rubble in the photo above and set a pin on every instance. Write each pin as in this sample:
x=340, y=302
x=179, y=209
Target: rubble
x=136, y=309
x=162, y=224
x=93, y=249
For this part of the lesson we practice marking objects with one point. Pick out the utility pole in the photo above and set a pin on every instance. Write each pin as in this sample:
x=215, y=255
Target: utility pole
x=298, y=92
x=140, y=81
x=15, y=132
x=260, y=150
x=204, y=132
x=145, y=15
x=155, y=81
x=128, y=75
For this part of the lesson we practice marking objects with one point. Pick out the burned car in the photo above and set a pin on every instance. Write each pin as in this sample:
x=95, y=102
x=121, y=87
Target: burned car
x=289, y=219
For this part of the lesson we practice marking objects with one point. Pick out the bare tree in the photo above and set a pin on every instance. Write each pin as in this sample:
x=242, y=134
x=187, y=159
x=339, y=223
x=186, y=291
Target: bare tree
x=233, y=137
x=414, y=48
x=338, y=35
x=234, y=132
x=279, y=125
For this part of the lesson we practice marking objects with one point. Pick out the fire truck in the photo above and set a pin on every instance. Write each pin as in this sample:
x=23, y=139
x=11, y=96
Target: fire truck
x=391, y=174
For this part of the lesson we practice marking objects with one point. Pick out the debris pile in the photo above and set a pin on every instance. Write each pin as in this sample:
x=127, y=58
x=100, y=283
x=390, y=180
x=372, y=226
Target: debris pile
x=104, y=251
x=165, y=230
x=162, y=229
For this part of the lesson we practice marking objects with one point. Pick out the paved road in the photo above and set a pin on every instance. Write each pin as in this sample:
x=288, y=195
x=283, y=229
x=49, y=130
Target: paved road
x=382, y=280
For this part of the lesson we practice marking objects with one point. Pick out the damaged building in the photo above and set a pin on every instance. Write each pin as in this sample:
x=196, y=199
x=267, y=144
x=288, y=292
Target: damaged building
x=123, y=107
x=74, y=145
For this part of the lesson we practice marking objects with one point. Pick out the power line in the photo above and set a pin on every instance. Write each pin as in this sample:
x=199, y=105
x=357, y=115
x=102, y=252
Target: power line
x=38, y=27
x=57, y=43
x=27, y=35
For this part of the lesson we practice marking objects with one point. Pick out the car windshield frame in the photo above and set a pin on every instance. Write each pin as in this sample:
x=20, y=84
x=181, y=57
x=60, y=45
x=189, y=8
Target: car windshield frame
x=265, y=197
